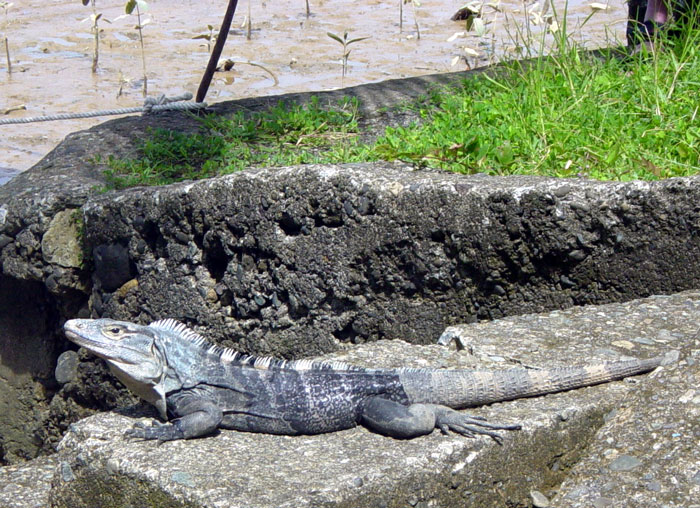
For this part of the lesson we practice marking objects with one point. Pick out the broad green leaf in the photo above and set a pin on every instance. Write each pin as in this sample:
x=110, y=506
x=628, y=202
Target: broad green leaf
x=357, y=40
x=335, y=37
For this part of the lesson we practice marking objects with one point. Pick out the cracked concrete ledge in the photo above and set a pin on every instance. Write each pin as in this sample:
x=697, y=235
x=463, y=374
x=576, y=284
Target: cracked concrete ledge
x=296, y=262
x=628, y=443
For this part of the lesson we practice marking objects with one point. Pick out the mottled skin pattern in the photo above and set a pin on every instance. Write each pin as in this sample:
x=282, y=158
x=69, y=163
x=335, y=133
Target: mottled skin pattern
x=200, y=387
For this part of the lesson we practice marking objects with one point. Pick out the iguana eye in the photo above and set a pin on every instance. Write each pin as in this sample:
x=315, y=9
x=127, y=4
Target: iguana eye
x=115, y=332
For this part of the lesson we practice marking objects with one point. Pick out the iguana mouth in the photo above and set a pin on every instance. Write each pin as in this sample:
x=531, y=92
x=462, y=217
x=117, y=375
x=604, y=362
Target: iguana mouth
x=100, y=348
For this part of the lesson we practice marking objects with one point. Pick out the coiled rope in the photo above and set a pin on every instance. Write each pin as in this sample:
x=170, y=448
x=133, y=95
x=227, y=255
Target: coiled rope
x=150, y=105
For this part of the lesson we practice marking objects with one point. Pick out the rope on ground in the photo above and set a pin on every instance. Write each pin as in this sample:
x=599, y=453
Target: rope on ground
x=150, y=105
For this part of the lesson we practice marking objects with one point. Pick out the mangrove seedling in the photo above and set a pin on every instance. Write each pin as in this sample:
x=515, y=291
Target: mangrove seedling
x=140, y=5
x=345, y=42
x=95, y=29
x=6, y=6
x=414, y=4
x=209, y=37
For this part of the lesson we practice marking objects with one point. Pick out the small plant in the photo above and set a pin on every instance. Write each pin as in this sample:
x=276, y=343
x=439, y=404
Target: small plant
x=414, y=4
x=95, y=29
x=308, y=10
x=345, y=43
x=6, y=6
x=140, y=5
x=210, y=37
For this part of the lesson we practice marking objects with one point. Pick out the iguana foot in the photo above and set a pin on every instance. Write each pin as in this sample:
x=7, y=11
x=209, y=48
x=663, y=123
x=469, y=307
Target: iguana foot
x=405, y=422
x=447, y=419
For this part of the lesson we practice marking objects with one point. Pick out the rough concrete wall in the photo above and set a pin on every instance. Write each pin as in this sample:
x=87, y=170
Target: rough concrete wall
x=27, y=359
x=290, y=261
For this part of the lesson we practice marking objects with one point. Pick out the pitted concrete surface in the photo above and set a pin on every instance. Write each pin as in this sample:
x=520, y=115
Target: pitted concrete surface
x=633, y=441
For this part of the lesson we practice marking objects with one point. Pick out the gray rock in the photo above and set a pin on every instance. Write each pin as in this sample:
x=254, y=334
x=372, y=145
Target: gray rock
x=60, y=245
x=416, y=272
x=27, y=485
x=358, y=468
x=539, y=500
x=625, y=463
x=112, y=266
x=66, y=367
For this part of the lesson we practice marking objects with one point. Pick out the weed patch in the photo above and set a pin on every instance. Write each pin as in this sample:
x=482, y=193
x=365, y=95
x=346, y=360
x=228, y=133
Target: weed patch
x=286, y=134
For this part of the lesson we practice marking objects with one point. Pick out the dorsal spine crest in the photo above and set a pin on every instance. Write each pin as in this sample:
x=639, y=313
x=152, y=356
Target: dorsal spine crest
x=231, y=356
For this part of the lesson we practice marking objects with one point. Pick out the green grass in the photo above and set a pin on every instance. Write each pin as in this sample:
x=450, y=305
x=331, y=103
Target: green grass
x=286, y=134
x=569, y=114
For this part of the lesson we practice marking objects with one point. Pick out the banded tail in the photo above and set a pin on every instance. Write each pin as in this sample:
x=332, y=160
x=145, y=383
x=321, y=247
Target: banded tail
x=466, y=388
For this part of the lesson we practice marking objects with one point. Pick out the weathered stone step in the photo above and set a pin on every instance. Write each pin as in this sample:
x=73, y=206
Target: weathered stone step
x=634, y=440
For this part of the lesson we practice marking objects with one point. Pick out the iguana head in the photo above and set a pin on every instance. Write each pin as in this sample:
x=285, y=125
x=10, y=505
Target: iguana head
x=133, y=352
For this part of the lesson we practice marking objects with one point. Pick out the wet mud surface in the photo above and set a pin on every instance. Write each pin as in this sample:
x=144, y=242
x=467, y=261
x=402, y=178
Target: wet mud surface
x=51, y=48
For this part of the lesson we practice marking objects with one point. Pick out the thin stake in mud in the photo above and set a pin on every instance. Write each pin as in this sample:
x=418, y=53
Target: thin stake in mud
x=7, y=55
x=216, y=52
x=249, y=24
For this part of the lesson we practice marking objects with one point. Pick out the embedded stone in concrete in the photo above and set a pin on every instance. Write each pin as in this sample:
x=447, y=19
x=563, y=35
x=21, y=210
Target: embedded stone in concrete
x=60, y=244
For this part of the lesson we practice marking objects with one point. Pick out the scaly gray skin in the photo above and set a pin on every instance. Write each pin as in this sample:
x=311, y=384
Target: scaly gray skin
x=204, y=387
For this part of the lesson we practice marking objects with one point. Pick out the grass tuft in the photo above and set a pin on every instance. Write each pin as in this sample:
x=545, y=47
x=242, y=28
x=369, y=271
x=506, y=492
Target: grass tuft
x=286, y=134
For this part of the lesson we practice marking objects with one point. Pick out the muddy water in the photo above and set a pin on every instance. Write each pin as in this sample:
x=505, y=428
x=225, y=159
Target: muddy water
x=51, y=48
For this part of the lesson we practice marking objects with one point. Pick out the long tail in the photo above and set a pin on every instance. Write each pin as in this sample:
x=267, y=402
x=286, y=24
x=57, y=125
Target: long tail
x=465, y=388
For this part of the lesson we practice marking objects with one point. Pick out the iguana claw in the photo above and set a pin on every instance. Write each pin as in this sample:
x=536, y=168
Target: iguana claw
x=447, y=419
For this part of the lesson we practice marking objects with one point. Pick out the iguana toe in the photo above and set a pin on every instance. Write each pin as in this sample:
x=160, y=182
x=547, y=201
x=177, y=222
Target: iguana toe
x=468, y=425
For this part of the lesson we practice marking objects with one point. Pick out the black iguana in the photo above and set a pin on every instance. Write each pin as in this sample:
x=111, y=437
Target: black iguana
x=204, y=387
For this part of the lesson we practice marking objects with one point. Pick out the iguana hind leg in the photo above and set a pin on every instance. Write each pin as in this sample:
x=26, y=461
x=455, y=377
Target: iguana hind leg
x=404, y=422
x=397, y=420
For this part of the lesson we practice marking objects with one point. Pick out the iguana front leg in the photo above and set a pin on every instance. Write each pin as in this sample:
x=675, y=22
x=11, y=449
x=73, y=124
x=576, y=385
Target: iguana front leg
x=404, y=422
x=197, y=417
